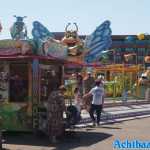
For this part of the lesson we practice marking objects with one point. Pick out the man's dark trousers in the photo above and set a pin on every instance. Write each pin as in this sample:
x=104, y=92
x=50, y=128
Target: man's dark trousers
x=98, y=109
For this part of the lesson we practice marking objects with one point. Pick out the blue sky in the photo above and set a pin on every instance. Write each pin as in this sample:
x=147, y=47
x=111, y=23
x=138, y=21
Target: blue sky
x=126, y=16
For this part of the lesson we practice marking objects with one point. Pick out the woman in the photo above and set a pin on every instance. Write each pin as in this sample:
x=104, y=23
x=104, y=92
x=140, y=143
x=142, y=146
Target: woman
x=56, y=107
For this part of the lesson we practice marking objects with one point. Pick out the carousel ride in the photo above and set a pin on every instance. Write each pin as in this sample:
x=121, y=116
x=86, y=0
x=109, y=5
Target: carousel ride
x=28, y=63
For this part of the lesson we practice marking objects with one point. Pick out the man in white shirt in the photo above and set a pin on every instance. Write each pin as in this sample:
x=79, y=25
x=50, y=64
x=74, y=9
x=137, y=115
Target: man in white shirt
x=97, y=102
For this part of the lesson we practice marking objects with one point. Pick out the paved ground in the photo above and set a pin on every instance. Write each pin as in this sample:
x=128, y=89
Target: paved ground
x=85, y=138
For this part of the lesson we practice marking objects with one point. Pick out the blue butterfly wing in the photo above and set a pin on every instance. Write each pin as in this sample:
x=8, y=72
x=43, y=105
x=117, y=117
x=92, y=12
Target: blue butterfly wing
x=99, y=41
x=40, y=32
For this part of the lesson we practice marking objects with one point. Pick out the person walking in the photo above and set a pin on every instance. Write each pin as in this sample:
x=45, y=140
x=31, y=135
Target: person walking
x=97, y=101
x=78, y=100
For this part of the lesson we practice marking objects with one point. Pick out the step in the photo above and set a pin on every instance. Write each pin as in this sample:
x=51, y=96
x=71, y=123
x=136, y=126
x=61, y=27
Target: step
x=117, y=115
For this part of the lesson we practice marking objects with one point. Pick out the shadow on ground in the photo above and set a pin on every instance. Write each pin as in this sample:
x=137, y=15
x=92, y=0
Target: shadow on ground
x=70, y=141
x=108, y=127
x=79, y=139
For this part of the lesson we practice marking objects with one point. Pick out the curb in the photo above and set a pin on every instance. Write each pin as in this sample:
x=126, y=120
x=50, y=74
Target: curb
x=128, y=103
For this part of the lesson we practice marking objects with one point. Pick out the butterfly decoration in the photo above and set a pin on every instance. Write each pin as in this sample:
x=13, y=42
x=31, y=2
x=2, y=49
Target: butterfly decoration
x=98, y=42
x=46, y=43
x=40, y=32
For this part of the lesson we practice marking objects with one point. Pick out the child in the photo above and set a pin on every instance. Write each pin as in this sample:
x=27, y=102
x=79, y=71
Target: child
x=77, y=97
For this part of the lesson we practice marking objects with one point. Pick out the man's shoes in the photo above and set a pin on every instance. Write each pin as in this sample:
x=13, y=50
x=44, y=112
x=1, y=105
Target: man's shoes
x=94, y=124
x=54, y=140
x=98, y=124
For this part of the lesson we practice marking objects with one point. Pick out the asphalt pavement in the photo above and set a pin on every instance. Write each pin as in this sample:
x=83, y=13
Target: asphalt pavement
x=97, y=138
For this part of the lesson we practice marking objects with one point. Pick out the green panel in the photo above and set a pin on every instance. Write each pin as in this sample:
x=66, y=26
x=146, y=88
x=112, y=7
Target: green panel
x=15, y=118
